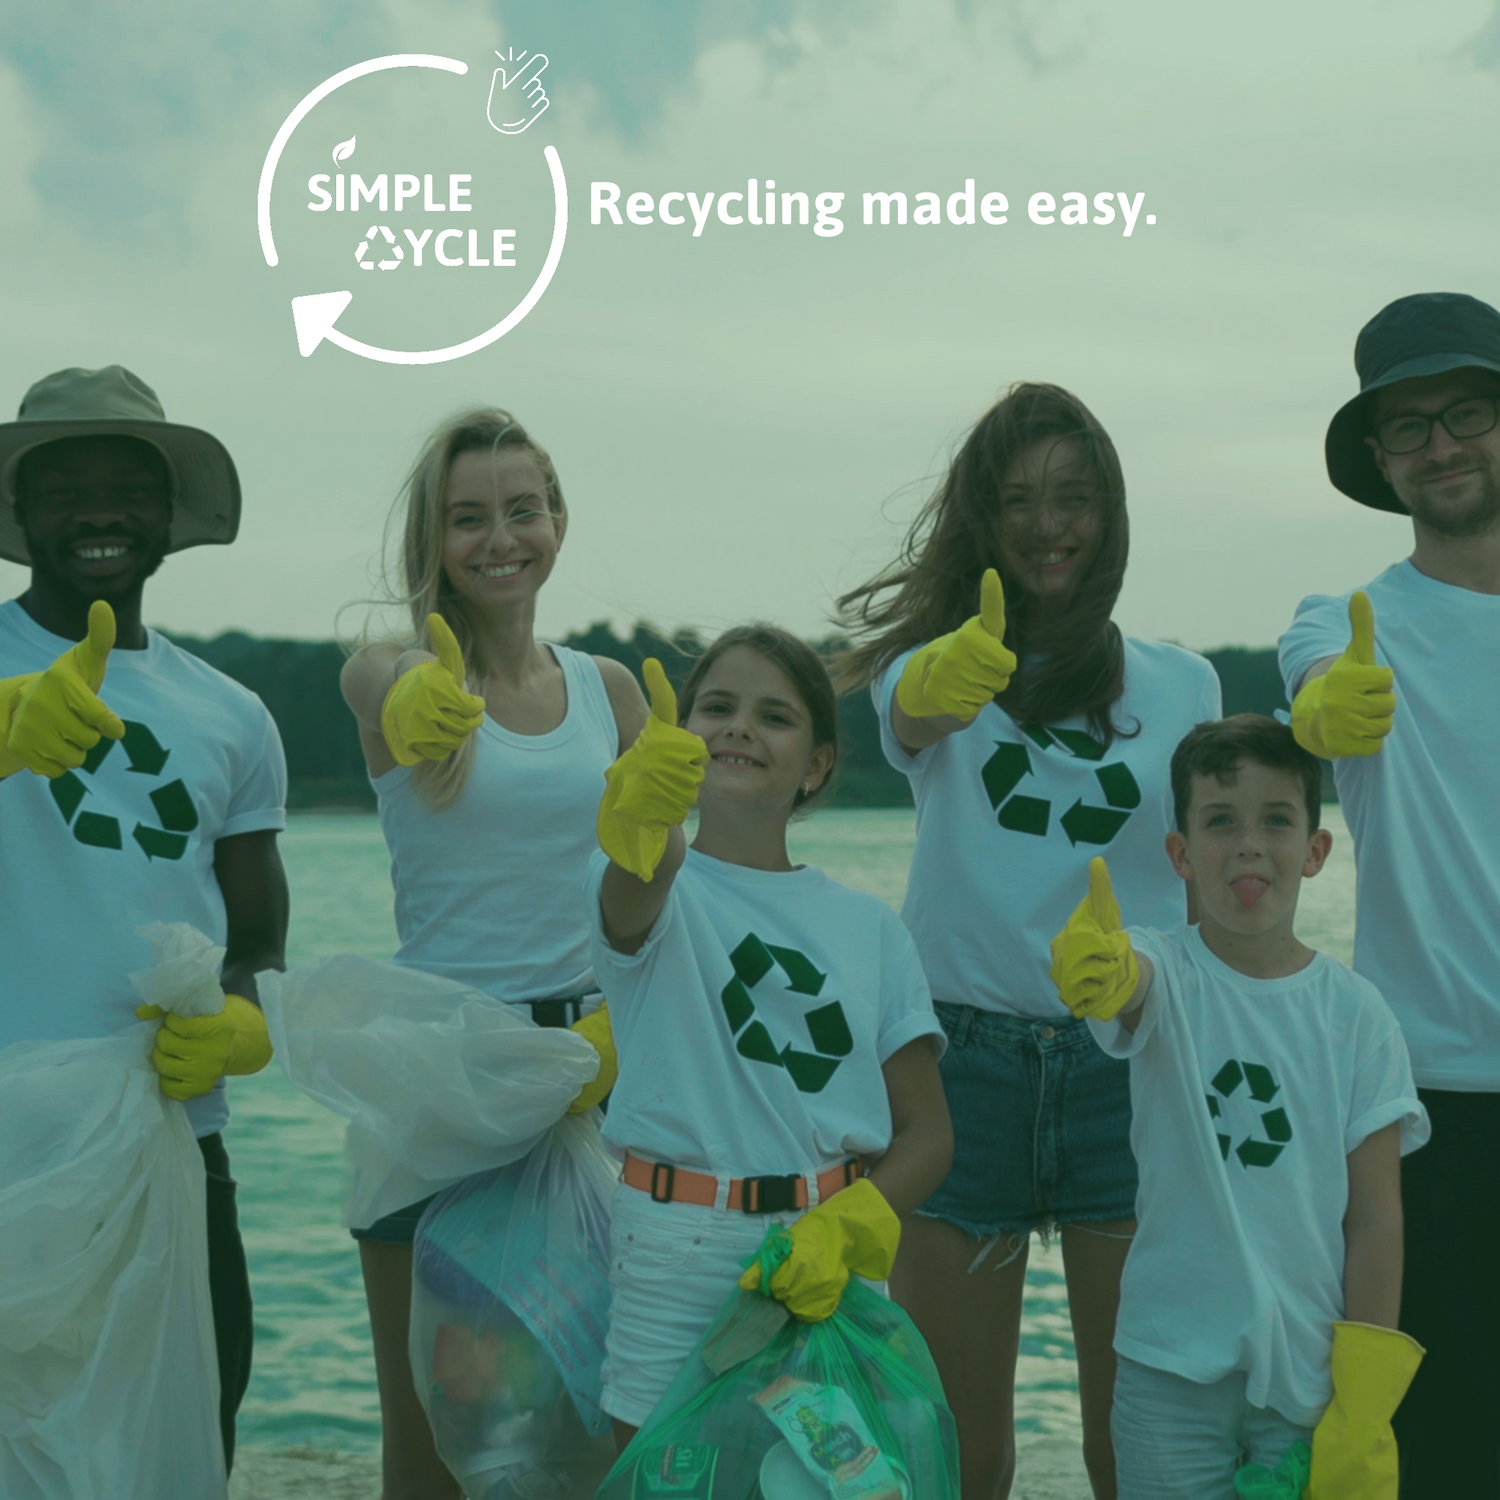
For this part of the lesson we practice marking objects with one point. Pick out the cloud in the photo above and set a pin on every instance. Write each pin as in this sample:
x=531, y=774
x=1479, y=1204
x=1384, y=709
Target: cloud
x=128, y=95
x=1484, y=48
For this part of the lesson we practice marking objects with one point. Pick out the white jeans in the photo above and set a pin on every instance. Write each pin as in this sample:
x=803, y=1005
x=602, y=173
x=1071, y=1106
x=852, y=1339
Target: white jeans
x=1178, y=1440
x=672, y=1265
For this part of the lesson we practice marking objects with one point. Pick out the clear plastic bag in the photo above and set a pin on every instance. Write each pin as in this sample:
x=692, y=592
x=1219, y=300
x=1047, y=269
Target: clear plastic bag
x=438, y=1081
x=847, y=1409
x=510, y=1304
x=109, y=1381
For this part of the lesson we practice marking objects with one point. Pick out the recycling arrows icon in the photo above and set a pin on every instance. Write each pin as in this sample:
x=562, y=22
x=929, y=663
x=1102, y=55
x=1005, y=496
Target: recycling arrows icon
x=177, y=816
x=827, y=1026
x=1083, y=823
x=1263, y=1089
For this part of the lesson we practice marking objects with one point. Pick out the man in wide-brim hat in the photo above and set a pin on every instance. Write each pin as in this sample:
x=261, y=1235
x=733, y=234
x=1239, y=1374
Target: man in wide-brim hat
x=1399, y=685
x=137, y=784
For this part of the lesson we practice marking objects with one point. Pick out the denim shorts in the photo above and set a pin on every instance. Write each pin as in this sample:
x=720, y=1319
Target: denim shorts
x=1041, y=1126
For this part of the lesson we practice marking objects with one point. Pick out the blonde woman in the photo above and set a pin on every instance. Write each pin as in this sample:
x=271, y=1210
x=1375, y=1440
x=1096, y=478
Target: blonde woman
x=487, y=749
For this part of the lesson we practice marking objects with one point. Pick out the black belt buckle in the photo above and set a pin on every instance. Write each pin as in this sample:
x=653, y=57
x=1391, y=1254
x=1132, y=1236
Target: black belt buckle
x=769, y=1195
x=663, y=1179
x=554, y=1014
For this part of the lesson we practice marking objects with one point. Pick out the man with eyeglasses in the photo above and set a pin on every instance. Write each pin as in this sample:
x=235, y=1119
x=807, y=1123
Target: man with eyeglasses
x=1399, y=685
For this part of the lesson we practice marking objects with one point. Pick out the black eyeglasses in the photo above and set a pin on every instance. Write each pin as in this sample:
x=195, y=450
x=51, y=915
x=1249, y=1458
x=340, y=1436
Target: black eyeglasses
x=1470, y=418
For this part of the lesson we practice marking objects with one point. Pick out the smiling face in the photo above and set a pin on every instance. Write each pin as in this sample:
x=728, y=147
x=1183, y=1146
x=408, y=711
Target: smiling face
x=1248, y=847
x=758, y=732
x=1050, y=518
x=1452, y=485
x=96, y=512
x=500, y=540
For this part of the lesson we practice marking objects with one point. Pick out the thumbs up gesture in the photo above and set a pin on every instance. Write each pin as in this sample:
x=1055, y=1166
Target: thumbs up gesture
x=428, y=712
x=1093, y=965
x=650, y=788
x=958, y=673
x=1349, y=709
x=54, y=718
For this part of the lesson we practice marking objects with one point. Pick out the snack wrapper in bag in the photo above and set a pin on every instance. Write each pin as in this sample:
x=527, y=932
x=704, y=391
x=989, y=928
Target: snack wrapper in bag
x=846, y=1409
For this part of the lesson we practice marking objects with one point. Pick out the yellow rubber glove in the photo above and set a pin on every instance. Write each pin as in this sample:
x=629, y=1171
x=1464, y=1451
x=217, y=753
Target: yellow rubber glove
x=193, y=1053
x=11, y=690
x=1349, y=709
x=652, y=786
x=1093, y=965
x=598, y=1033
x=58, y=718
x=855, y=1232
x=1353, y=1447
x=959, y=673
x=428, y=712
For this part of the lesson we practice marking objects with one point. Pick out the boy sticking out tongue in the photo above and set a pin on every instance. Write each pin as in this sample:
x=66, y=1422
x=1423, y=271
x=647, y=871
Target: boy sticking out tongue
x=1273, y=1100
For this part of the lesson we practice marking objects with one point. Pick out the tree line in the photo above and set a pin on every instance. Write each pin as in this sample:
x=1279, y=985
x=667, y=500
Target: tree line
x=298, y=681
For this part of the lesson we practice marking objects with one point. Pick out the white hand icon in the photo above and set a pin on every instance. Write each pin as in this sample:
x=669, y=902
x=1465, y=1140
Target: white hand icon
x=530, y=81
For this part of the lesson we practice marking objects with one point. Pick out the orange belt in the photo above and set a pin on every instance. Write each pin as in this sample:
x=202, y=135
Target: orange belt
x=751, y=1195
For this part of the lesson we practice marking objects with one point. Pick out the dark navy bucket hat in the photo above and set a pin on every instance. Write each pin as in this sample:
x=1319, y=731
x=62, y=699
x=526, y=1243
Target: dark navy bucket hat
x=1428, y=334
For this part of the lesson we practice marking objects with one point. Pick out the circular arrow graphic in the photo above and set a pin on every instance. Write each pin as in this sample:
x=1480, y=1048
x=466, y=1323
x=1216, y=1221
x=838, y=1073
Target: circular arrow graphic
x=315, y=315
x=175, y=811
x=390, y=264
x=1263, y=1089
x=1083, y=823
x=827, y=1026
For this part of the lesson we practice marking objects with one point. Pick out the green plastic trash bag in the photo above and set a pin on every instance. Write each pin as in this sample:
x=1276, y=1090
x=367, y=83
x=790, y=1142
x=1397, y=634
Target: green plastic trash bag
x=1257, y=1482
x=847, y=1409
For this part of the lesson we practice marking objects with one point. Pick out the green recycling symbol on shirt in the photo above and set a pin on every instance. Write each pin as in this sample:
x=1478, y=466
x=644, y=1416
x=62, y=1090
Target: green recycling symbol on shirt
x=827, y=1027
x=176, y=814
x=1084, y=823
x=1263, y=1090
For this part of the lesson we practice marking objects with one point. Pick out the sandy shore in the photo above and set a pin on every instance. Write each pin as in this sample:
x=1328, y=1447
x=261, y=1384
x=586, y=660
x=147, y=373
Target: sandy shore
x=1047, y=1469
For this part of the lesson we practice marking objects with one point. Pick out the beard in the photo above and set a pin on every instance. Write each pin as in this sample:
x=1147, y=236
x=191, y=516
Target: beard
x=1476, y=516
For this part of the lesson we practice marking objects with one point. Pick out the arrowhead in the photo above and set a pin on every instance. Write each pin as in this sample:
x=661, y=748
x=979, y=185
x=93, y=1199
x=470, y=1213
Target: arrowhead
x=315, y=317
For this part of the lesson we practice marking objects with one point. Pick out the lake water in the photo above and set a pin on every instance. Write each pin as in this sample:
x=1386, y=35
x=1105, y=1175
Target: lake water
x=314, y=1378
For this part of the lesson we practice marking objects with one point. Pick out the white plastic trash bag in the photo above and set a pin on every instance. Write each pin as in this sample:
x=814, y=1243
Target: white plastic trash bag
x=109, y=1383
x=438, y=1081
x=510, y=1305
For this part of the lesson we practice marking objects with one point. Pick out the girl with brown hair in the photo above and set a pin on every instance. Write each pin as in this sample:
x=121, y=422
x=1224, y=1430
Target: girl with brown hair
x=778, y=1049
x=486, y=748
x=1035, y=736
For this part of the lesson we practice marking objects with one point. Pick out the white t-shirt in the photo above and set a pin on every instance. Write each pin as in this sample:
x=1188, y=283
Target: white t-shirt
x=1007, y=821
x=128, y=839
x=1425, y=815
x=489, y=889
x=1248, y=1096
x=753, y=1022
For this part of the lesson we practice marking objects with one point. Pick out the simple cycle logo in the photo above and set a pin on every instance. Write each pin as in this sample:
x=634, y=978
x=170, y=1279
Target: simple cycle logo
x=516, y=100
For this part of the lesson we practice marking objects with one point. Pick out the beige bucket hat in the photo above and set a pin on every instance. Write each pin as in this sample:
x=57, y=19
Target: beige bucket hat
x=108, y=403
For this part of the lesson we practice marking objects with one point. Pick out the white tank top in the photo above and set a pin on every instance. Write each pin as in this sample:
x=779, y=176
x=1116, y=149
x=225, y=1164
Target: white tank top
x=489, y=891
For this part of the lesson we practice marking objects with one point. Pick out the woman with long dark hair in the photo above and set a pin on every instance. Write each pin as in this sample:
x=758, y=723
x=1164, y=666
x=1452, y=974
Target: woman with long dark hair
x=1035, y=736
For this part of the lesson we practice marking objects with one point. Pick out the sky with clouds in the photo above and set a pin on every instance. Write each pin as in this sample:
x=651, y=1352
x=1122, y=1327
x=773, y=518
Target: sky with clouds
x=745, y=419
